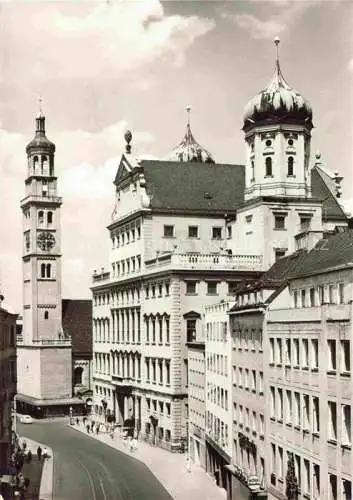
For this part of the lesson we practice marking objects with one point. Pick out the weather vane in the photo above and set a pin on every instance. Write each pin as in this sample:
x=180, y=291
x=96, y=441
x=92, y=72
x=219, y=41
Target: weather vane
x=40, y=100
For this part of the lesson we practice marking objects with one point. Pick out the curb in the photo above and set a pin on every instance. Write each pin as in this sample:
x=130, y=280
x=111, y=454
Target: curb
x=46, y=482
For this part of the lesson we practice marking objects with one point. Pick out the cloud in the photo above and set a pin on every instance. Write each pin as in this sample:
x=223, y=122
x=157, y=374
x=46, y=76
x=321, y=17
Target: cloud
x=284, y=14
x=94, y=40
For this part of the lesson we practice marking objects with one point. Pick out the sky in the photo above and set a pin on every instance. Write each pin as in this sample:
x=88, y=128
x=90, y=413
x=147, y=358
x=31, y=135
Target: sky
x=106, y=66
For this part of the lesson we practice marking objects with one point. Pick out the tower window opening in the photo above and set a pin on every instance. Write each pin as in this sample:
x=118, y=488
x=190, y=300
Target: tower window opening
x=45, y=165
x=290, y=142
x=290, y=166
x=42, y=270
x=48, y=270
x=46, y=315
x=50, y=217
x=35, y=164
x=268, y=167
x=40, y=217
x=268, y=143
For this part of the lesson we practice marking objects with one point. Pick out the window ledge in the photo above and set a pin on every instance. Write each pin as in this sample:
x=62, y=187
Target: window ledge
x=296, y=367
x=271, y=364
x=306, y=431
x=278, y=365
x=331, y=372
x=316, y=434
x=332, y=441
x=273, y=419
x=288, y=424
x=315, y=369
x=346, y=446
x=297, y=427
x=287, y=365
x=306, y=368
x=345, y=374
x=191, y=294
x=280, y=420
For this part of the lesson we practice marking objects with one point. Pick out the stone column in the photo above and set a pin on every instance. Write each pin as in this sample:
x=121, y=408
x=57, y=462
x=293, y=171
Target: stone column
x=139, y=326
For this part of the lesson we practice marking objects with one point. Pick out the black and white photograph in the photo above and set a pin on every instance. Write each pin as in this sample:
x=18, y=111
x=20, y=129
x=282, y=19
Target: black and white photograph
x=176, y=259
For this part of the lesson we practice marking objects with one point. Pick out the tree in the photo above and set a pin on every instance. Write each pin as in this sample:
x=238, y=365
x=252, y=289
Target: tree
x=292, y=488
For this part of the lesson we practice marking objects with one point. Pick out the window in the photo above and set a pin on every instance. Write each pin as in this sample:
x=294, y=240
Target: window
x=314, y=354
x=268, y=143
x=288, y=352
x=305, y=353
x=253, y=380
x=297, y=409
x=345, y=356
x=261, y=382
x=303, y=298
x=296, y=351
x=331, y=294
x=229, y=232
x=346, y=489
x=306, y=481
x=279, y=351
x=346, y=425
x=280, y=405
x=321, y=294
x=288, y=407
x=280, y=462
x=262, y=424
x=332, y=487
x=252, y=171
x=168, y=231
x=279, y=254
x=50, y=217
x=191, y=287
x=217, y=233
x=191, y=330
x=316, y=481
x=42, y=270
x=316, y=415
x=290, y=165
x=305, y=223
x=341, y=293
x=46, y=315
x=40, y=217
x=193, y=232
x=332, y=427
x=211, y=288
x=272, y=350
x=268, y=164
x=331, y=355
x=280, y=222
x=306, y=412
x=312, y=297
x=273, y=402
x=295, y=298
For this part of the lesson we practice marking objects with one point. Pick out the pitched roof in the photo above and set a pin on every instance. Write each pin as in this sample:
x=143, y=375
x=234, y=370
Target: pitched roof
x=323, y=188
x=334, y=251
x=276, y=275
x=194, y=186
x=77, y=322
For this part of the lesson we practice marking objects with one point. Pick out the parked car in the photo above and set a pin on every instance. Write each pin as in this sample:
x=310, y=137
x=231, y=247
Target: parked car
x=26, y=419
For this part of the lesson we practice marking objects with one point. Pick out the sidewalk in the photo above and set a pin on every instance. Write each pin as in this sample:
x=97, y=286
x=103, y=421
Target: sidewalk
x=169, y=468
x=46, y=483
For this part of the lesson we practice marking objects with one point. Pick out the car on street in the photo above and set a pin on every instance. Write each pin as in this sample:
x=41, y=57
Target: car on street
x=26, y=419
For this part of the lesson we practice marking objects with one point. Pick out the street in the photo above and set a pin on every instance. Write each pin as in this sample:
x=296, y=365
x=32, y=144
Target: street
x=85, y=469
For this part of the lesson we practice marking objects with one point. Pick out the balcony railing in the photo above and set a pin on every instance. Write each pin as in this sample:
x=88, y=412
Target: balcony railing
x=60, y=342
x=205, y=261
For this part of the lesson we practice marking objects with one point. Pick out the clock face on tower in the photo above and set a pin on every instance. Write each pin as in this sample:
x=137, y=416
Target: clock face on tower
x=45, y=241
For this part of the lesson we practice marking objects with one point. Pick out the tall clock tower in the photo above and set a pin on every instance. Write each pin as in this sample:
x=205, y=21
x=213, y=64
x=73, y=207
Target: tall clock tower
x=44, y=355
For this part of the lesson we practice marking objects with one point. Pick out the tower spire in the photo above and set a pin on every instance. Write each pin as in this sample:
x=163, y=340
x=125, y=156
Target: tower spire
x=188, y=110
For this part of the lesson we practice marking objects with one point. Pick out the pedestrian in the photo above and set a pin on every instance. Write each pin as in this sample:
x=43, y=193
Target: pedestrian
x=87, y=427
x=45, y=453
x=24, y=445
x=39, y=453
x=188, y=463
x=27, y=482
x=84, y=420
x=29, y=456
x=134, y=443
x=97, y=429
x=92, y=425
x=77, y=421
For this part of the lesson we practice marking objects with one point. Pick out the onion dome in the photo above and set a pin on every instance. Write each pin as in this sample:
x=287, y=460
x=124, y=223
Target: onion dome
x=278, y=103
x=40, y=140
x=189, y=149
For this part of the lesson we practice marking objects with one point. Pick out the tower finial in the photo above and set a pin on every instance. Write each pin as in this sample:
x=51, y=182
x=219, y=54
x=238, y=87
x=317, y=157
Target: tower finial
x=188, y=110
x=40, y=102
x=128, y=138
x=276, y=41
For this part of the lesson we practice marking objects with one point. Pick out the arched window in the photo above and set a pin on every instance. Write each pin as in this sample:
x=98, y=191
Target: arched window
x=48, y=266
x=268, y=166
x=35, y=164
x=45, y=165
x=42, y=270
x=50, y=217
x=290, y=165
x=46, y=315
x=40, y=217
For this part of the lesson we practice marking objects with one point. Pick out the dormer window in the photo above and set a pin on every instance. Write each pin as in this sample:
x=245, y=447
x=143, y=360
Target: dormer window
x=290, y=166
x=268, y=163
